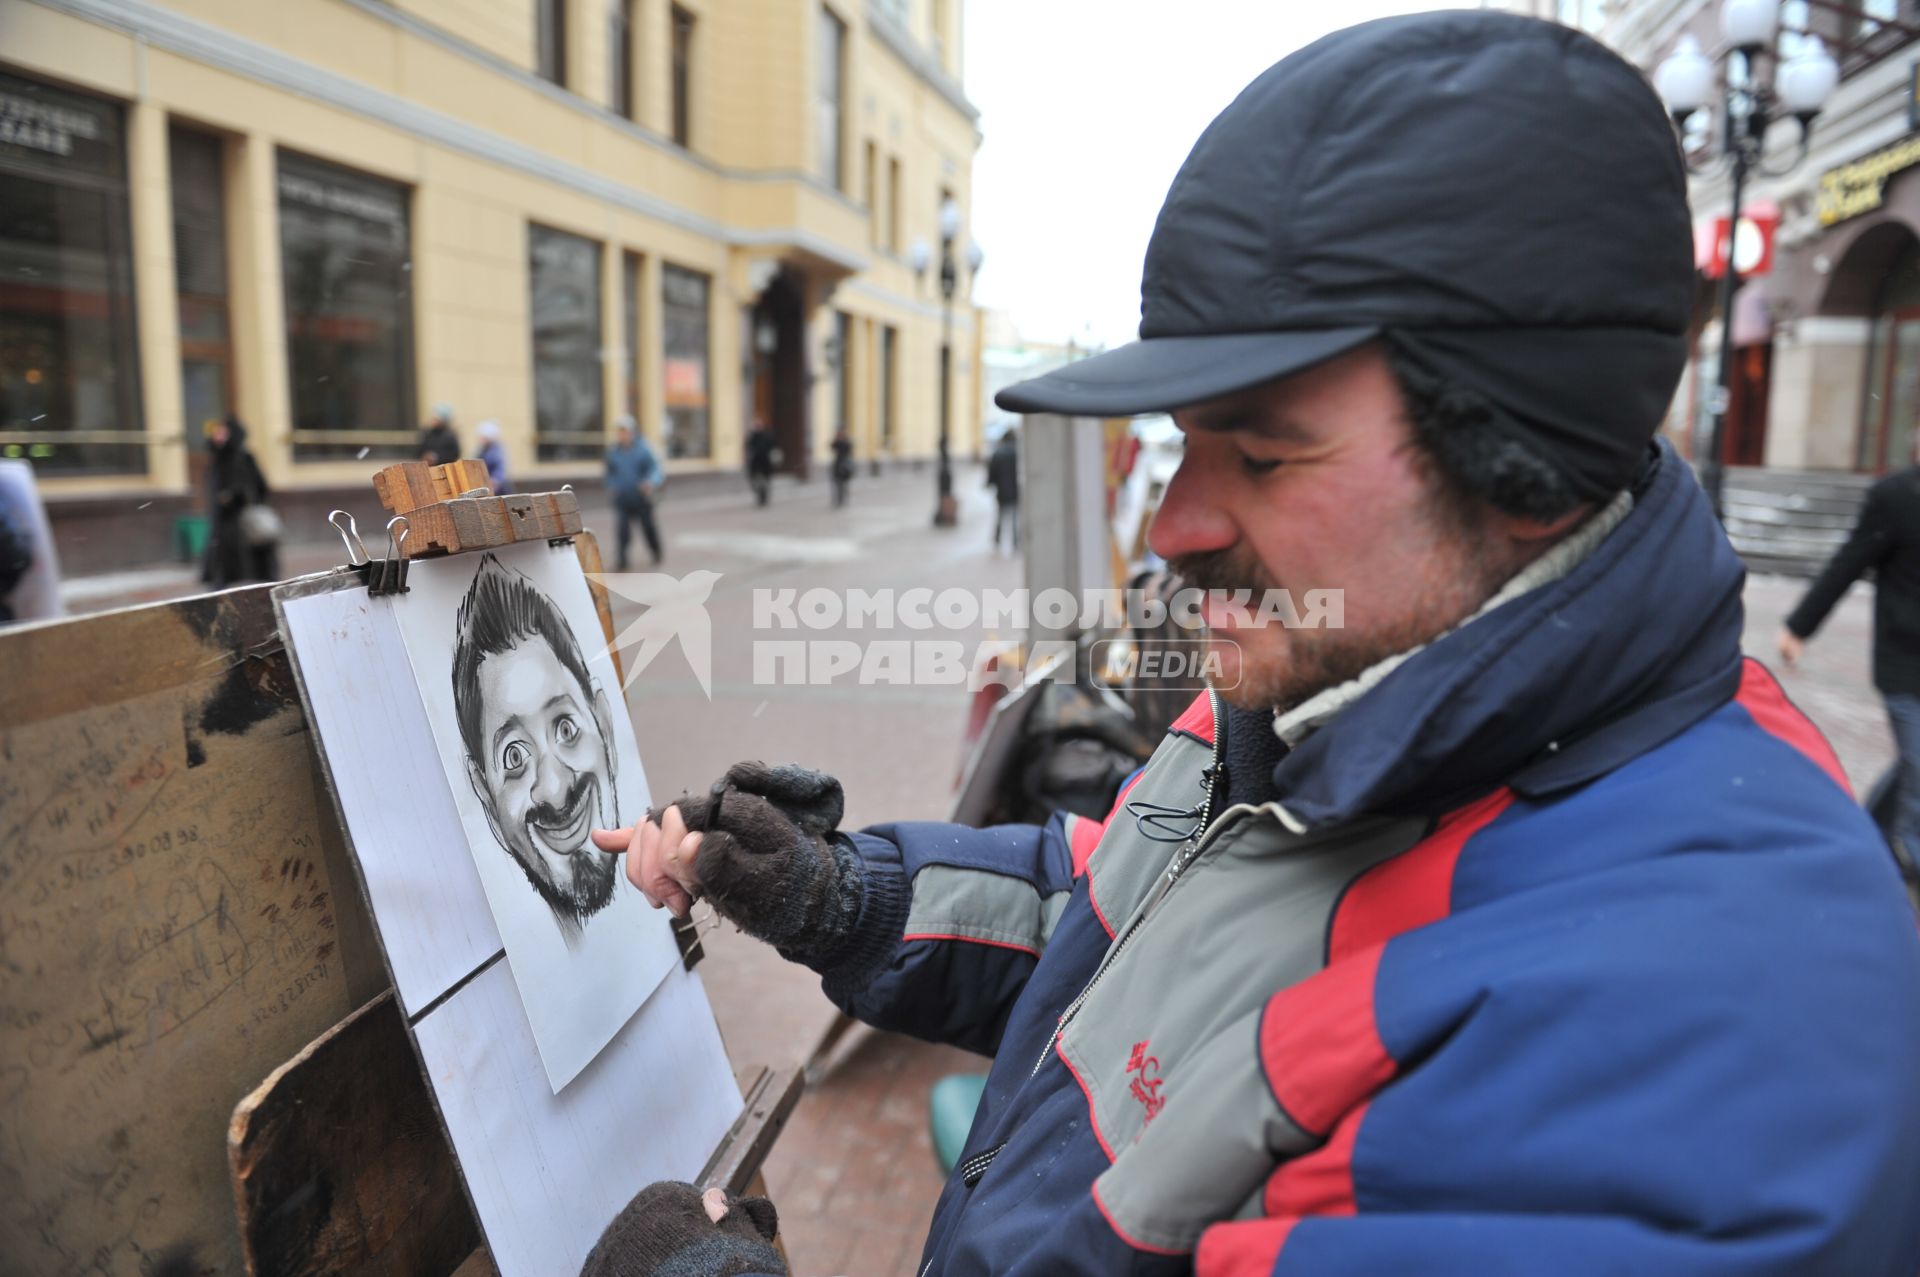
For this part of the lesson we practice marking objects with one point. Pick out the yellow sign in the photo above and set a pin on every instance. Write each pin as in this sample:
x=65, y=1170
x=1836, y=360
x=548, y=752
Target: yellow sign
x=1860, y=187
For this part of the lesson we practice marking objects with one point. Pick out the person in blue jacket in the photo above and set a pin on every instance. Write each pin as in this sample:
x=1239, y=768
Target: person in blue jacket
x=1509, y=921
x=634, y=474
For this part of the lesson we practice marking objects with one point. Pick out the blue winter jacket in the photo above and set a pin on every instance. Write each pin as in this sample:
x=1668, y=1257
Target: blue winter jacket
x=1562, y=951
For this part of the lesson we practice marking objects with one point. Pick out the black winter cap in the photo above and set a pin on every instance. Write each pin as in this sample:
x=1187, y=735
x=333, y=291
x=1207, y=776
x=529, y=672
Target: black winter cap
x=1502, y=197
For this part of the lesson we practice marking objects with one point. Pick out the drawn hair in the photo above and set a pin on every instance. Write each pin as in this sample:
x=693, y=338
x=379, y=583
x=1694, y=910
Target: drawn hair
x=502, y=610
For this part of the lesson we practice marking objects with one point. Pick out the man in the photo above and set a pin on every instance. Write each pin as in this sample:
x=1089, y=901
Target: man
x=1518, y=925
x=634, y=474
x=1886, y=538
x=439, y=445
x=1003, y=476
x=762, y=447
x=538, y=737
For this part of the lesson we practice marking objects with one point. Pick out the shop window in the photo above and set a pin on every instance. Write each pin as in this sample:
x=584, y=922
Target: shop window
x=347, y=280
x=829, y=87
x=69, y=358
x=196, y=173
x=682, y=76
x=889, y=386
x=568, y=392
x=686, y=320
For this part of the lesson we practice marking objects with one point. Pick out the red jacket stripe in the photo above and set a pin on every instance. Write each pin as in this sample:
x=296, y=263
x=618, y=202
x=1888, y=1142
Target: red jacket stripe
x=1247, y=1248
x=991, y=944
x=1761, y=696
x=1321, y=1182
x=1319, y=1044
x=1412, y=889
x=1197, y=719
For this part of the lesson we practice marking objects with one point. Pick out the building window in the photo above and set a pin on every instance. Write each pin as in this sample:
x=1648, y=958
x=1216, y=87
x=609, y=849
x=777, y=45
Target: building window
x=829, y=85
x=200, y=278
x=568, y=394
x=630, y=281
x=550, y=40
x=842, y=356
x=69, y=360
x=344, y=247
x=685, y=317
x=682, y=76
x=889, y=386
x=870, y=189
x=937, y=20
x=893, y=206
x=620, y=57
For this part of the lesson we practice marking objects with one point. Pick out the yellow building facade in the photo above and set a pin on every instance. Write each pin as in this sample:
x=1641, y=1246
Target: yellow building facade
x=330, y=216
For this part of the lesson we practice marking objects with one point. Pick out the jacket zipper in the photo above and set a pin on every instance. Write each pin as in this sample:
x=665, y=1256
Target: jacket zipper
x=1177, y=866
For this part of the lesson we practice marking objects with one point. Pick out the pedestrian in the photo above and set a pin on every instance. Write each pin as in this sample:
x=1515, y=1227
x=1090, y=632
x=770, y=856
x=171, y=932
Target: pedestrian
x=494, y=453
x=439, y=444
x=634, y=475
x=1509, y=921
x=842, y=466
x=1003, y=476
x=1885, y=539
x=762, y=451
x=243, y=531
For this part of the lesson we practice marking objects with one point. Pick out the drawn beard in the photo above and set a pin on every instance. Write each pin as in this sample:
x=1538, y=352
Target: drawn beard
x=590, y=875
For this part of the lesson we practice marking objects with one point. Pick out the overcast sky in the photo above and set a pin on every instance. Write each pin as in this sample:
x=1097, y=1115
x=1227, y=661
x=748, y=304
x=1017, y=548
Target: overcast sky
x=1087, y=108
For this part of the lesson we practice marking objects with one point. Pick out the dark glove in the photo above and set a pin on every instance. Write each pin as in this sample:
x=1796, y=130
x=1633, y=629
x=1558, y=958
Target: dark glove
x=665, y=1230
x=771, y=859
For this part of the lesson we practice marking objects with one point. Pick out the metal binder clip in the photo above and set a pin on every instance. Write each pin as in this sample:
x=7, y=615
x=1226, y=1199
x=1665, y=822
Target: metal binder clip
x=351, y=536
x=389, y=575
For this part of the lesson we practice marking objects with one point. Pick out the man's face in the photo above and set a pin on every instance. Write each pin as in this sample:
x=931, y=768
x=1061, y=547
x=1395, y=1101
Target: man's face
x=546, y=776
x=626, y=437
x=1313, y=482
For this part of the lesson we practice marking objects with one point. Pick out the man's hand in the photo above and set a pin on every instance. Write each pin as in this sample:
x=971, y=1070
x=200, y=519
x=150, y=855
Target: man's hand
x=673, y=1228
x=1791, y=645
x=761, y=846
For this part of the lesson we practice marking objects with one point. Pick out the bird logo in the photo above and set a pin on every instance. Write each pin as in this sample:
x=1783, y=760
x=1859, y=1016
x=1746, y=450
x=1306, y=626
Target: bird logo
x=676, y=608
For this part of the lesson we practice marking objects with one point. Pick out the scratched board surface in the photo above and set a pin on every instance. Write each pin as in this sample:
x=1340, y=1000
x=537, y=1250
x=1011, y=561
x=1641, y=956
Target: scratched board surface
x=171, y=926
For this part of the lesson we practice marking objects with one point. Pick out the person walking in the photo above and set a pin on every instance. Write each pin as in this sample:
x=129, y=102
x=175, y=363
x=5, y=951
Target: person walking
x=762, y=449
x=439, y=444
x=1003, y=476
x=634, y=475
x=494, y=453
x=1886, y=540
x=1511, y=922
x=842, y=466
x=243, y=532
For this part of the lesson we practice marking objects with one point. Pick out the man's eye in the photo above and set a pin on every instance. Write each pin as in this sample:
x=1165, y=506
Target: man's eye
x=1259, y=465
x=566, y=730
x=514, y=758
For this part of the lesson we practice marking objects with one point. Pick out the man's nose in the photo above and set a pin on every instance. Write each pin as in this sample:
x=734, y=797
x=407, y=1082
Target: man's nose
x=551, y=779
x=1189, y=521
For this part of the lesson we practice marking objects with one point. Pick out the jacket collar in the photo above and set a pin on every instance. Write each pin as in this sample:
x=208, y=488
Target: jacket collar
x=1550, y=688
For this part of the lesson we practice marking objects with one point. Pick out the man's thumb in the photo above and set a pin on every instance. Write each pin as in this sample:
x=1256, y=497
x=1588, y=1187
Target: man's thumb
x=613, y=840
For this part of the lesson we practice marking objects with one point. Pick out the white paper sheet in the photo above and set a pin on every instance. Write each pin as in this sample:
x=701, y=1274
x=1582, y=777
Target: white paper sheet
x=580, y=976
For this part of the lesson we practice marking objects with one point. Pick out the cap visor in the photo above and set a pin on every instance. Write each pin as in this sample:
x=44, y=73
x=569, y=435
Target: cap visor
x=1159, y=374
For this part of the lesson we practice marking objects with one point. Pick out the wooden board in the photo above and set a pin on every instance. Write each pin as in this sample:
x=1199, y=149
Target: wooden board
x=339, y=1165
x=176, y=920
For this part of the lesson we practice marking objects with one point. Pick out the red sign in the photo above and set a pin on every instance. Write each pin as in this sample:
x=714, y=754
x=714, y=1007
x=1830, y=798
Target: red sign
x=1753, y=248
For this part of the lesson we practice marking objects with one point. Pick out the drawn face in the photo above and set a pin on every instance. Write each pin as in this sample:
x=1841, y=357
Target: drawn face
x=546, y=775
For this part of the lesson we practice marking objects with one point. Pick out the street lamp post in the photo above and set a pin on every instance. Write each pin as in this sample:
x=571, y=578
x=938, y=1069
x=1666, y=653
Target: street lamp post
x=1748, y=108
x=946, y=509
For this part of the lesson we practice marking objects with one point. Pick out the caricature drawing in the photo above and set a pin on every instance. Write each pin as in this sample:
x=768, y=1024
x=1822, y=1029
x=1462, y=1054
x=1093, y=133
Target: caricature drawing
x=537, y=731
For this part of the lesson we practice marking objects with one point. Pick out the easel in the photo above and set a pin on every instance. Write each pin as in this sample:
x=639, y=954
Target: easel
x=179, y=923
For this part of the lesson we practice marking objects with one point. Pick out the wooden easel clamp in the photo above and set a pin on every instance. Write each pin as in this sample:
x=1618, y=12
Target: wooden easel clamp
x=450, y=509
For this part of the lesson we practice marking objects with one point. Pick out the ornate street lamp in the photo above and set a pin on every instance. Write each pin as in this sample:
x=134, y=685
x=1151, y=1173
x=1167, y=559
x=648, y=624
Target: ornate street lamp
x=1748, y=108
x=946, y=509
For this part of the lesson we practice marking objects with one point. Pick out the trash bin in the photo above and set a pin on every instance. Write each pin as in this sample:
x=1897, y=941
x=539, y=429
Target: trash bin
x=190, y=537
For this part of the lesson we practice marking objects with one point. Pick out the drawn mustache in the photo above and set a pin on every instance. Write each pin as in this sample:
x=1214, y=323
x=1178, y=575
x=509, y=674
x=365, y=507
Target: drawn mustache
x=551, y=817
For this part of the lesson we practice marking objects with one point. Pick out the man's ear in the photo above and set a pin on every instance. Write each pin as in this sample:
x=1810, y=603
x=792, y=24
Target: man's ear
x=478, y=780
x=1535, y=531
x=603, y=718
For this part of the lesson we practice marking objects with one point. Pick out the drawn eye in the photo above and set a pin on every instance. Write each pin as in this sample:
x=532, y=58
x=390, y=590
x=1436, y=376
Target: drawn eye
x=566, y=730
x=514, y=758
